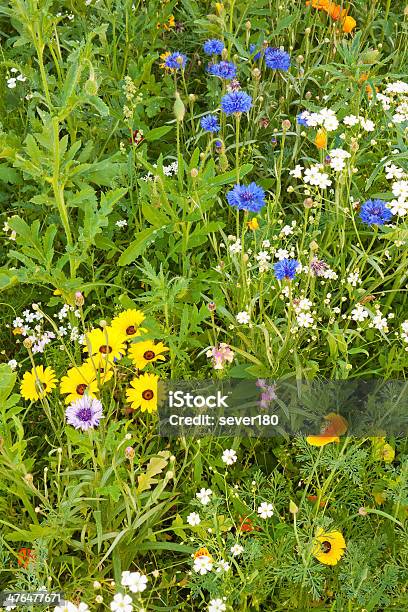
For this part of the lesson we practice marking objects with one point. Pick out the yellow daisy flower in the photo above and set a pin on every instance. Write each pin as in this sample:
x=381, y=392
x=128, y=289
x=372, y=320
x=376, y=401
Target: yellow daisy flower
x=142, y=353
x=101, y=368
x=329, y=547
x=106, y=342
x=143, y=395
x=77, y=382
x=38, y=383
x=128, y=323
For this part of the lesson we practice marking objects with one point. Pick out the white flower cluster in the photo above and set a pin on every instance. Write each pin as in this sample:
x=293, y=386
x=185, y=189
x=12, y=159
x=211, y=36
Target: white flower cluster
x=12, y=81
x=395, y=99
x=314, y=175
x=404, y=334
x=325, y=118
x=68, y=329
x=337, y=159
x=353, y=120
x=302, y=308
x=378, y=321
x=169, y=170
x=399, y=188
x=35, y=333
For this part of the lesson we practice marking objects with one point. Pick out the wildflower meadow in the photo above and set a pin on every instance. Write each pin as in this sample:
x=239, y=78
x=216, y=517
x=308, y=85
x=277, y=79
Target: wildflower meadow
x=204, y=195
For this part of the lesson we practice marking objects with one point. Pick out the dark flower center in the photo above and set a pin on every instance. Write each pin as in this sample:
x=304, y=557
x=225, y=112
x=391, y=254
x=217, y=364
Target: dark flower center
x=149, y=355
x=247, y=196
x=326, y=546
x=148, y=394
x=84, y=414
x=105, y=349
x=131, y=330
x=81, y=388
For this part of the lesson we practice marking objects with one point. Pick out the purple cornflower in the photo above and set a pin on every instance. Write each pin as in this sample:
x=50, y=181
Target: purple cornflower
x=84, y=413
x=247, y=197
x=213, y=46
x=234, y=85
x=375, y=212
x=236, y=102
x=277, y=59
x=209, y=123
x=318, y=266
x=175, y=61
x=286, y=268
x=224, y=70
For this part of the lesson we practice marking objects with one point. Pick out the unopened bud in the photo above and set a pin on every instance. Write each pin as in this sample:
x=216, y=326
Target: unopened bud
x=224, y=54
x=300, y=59
x=99, y=599
x=103, y=323
x=308, y=203
x=27, y=343
x=314, y=246
x=286, y=124
x=194, y=172
x=308, y=95
x=79, y=299
x=256, y=73
x=248, y=25
x=28, y=478
x=192, y=97
x=179, y=109
x=129, y=453
x=211, y=306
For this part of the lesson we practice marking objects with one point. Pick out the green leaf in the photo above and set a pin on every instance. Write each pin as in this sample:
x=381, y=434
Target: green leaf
x=7, y=382
x=157, y=133
x=136, y=248
x=231, y=176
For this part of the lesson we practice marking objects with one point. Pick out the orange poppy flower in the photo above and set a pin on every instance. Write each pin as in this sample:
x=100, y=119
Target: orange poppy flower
x=24, y=556
x=321, y=139
x=349, y=24
x=336, y=426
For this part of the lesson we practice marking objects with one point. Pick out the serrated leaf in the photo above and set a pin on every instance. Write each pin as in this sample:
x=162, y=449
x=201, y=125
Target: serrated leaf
x=155, y=467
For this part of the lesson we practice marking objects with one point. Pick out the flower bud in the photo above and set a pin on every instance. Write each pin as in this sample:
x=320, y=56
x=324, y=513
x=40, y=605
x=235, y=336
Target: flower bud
x=248, y=25
x=256, y=73
x=103, y=323
x=286, y=124
x=211, y=306
x=129, y=453
x=179, y=109
x=27, y=343
x=308, y=203
x=194, y=172
x=224, y=54
x=192, y=97
x=79, y=299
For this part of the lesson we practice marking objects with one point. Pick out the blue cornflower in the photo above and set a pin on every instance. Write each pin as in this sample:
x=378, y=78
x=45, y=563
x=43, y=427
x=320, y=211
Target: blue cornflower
x=277, y=59
x=236, y=102
x=375, y=212
x=302, y=118
x=218, y=144
x=286, y=268
x=252, y=49
x=224, y=70
x=209, y=123
x=213, y=46
x=247, y=197
x=175, y=61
